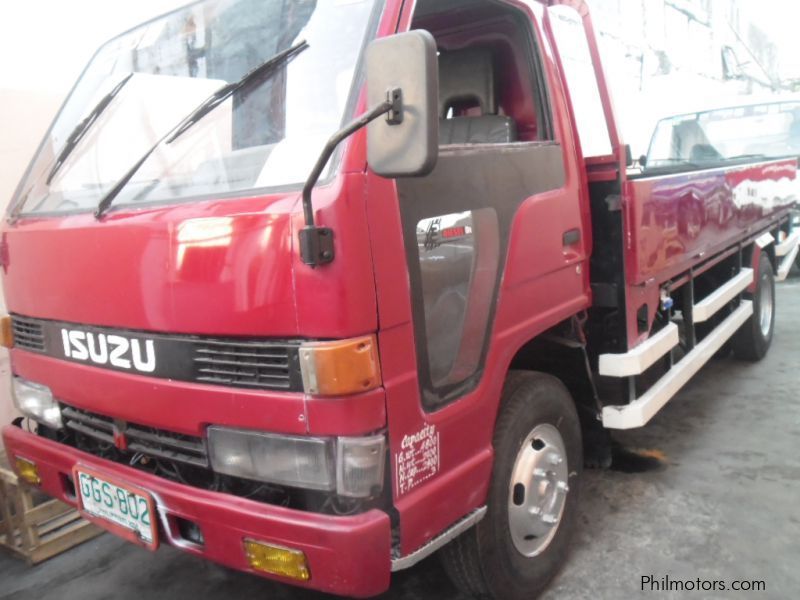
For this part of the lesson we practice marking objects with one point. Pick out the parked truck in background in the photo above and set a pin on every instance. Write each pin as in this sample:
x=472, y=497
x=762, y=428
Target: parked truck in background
x=323, y=368
x=758, y=129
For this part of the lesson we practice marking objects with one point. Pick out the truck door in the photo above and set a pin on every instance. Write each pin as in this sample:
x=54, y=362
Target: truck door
x=494, y=246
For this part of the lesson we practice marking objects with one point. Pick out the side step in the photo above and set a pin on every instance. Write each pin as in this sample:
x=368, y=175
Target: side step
x=459, y=527
x=636, y=361
x=786, y=264
x=710, y=305
x=787, y=251
x=640, y=358
x=641, y=410
x=789, y=244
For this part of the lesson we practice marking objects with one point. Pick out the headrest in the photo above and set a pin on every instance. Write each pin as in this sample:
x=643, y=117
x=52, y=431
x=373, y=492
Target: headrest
x=467, y=76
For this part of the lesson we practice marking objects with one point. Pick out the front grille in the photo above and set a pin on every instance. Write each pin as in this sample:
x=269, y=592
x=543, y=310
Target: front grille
x=256, y=364
x=247, y=364
x=183, y=459
x=147, y=440
x=28, y=334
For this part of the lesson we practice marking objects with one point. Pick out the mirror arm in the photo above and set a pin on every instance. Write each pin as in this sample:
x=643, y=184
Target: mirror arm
x=316, y=243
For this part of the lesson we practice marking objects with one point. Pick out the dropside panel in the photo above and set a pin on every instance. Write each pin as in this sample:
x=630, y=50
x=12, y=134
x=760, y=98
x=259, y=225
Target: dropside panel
x=674, y=220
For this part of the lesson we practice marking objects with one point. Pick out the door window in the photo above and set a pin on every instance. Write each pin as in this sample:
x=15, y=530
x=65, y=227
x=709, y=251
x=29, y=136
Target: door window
x=458, y=260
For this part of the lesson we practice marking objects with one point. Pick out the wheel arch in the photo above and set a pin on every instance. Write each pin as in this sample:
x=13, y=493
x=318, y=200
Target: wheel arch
x=561, y=353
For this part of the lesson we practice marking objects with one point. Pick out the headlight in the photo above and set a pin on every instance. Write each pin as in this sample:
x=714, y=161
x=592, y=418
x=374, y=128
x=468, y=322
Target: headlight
x=36, y=401
x=350, y=466
x=305, y=462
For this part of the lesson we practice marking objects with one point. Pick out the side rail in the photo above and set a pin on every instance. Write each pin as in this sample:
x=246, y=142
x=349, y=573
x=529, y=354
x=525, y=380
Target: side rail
x=719, y=326
x=786, y=250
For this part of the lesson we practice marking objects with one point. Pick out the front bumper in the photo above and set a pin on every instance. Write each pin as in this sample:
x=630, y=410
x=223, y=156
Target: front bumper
x=346, y=555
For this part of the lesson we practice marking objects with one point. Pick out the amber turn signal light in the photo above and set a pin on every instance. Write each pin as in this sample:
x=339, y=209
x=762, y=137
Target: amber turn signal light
x=340, y=367
x=6, y=332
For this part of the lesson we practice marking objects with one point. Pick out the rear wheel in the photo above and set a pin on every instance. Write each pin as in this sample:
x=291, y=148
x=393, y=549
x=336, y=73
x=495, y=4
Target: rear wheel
x=753, y=340
x=523, y=539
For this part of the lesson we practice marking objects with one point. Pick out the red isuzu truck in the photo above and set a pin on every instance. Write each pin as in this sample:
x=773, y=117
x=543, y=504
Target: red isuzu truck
x=322, y=368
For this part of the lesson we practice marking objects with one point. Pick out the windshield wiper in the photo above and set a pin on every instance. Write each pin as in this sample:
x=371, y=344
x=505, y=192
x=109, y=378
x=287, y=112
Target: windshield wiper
x=217, y=98
x=81, y=128
x=226, y=91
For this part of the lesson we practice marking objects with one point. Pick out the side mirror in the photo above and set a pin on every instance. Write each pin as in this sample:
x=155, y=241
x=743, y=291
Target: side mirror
x=628, y=156
x=402, y=125
x=404, y=144
x=643, y=160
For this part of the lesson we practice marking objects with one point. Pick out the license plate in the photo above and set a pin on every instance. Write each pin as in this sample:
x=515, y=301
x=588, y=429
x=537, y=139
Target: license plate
x=124, y=509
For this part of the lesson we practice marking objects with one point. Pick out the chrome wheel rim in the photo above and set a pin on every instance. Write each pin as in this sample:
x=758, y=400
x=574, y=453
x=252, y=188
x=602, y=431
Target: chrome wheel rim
x=538, y=490
x=766, y=306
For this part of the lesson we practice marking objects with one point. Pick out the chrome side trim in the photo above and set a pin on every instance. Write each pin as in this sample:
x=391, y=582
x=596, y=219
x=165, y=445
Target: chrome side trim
x=409, y=560
x=641, y=410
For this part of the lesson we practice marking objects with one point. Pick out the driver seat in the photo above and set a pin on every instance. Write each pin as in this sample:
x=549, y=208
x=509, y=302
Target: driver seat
x=467, y=80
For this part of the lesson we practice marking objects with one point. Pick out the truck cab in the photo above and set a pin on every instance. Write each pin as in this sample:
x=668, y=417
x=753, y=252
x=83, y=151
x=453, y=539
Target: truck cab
x=321, y=368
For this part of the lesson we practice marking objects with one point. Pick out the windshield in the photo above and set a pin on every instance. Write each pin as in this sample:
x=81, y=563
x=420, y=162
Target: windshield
x=268, y=134
x=764, y=130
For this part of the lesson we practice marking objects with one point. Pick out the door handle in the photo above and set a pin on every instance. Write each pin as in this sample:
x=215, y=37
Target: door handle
x=571, y=237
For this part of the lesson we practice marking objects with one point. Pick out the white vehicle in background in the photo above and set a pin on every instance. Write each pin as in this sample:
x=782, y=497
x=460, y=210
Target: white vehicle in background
x=765, y=127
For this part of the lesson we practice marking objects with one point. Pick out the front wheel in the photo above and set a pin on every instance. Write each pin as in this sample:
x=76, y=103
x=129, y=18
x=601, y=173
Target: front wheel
x=532, y=501
x=753, y=340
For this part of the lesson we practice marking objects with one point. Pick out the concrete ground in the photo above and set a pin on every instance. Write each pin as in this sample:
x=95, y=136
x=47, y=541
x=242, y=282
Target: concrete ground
x=724, y=506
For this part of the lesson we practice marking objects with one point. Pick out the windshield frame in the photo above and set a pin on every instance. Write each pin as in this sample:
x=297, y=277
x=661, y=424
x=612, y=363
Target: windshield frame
x=15, y=209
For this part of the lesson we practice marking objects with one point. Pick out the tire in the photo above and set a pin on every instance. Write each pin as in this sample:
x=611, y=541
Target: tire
x=754, y=338
x=486, y=562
